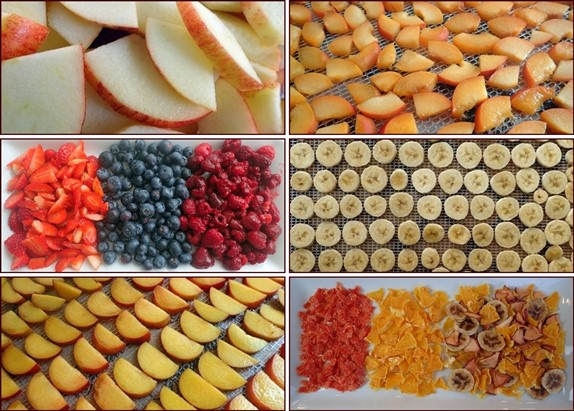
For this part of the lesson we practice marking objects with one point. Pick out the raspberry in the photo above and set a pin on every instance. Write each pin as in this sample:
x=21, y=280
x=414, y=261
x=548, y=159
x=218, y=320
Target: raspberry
x=194, y=163
x=236, y=203
x=274, y=181
x=203, y=208
x=251, y=257
x=197, y=186
x=233, y=249
x=270, y=247
x=211, y=164
x=231, y=145
x=257, y=239
x=251, y=221
x=244, y=153
x=219, y=251
x=238, y=235
x=261, y=161
x=219, y=221
x=239, y=168
x=260, y=257
x=212, y=238
x=272, y=231
x=267, y=151
x=266, y=218
x=201, y=258
x=197, y=225
x=235, y=224
x=275, y=213
x=14, y=222
x=14, y=244
x=224, y=188
x=215, y=201
x=183, y=223
x=233, y=263
x=227, y=159
x=64, y=152
x=203, y=150
x=188, y=207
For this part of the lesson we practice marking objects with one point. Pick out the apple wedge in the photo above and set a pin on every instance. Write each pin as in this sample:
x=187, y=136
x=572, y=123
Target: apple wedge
x=491, y=113
x=27, y=287
x=467, y=94
x=67, y=291
x=559, y=120
x=47, y=281
x=33, y=10
x=335, y=23
x=313, y=33
x=339, y=70
x=363, y=35
x=299, y=14
x=21, y=36
x=123, y=293
x=405, y=19
x=184, y=288
x=67, y=379
x=161, y=10
x=387, y=57
x=266, y=18
x=417, y=82
x=445, y=52
x=150, y=314
x=388, y=28
x=61, y=332
x=240, y=402
x=563, y=71
x=205, y=283
x=364, y=125
x=430, y=13
x=430, y=104
x=108, y=396
x=409, y=37
x=366, y=59
x=83, y=404
x=9, y=387
x=433, y=34
x=382, y=107
x=42, y=395
x=234, y=357
x=31, y=314
x=243, y=341
x=275, y=369
x=475, y=43
x=561, y=51
x=362, y=91
x=200, y=393
x=538, y=38
x=531, y=16
x=88, y=359
x=551, y=8
x=146, y=283
x=463, y=23
x=14, y=326
x=490, y=10
x=78, y=316
x=225, y=303
x=404, y=123
x=341, y=46
x=171, y=401
x=100, y=117
x=9, y=296
x=102, y=306
x=412, y=61
x=264, y=393
x=130, y=329
x=197, y=328
x=259, y=327
x=529, y=127
x=209, y=312
x=73, y=28
x=168, y=301
x=121, y=16
x=15, y=362
x=451, y=6
x=133, y=381
x=154, y=363
x=564, y=97
x=331, y=107
x=218, y=373
x=106, y=341
x=302, y=119
x=515, y=48
x=529, y=100
x=506, y=26
x=244, y=294
x=461, y=127
x=266, y=108
x=559, y=29
x=178, y=346
x=354, y=16
x=489, y=63
x=505, y=77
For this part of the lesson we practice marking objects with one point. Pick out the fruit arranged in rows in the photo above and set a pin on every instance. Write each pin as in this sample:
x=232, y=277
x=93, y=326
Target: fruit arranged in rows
x=127, y=313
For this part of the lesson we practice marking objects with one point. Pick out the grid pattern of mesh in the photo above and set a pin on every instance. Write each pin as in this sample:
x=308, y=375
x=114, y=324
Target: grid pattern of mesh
x=434, y=123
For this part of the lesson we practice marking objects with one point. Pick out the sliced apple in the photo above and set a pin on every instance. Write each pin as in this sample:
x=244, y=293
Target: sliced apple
x=408, y=37
x=505, y=77
x=561, y=51
x=299, y=14
x=205, y=283
x=243, y=341
x=529, y=100
x=430, y=13
x=450, y=6
x=108, y=396
x=475, y=43
x=341, y=46
x=171, y=401
x=10, y=296
x=275, y=369
x=339, y=70
x=364, y=125
x=559, y=120
x=339, y=128
x=331, y=107
x=15, y=362
x=34, y=10
x=515, y=48
x=244, y=294
x=538, y=38
x=531, y=16
x=382, y=107
x=14, y=326
x=42, y=395
x=78, y=316
x=130, y=329
x=150, y=314
x=117, y=16
x=258, y=326
x=48, y=281
x=154, y=363
x=412, y=61
x=21, y=36
x=529, y=127
x=563, y=71
x=489, y=63
x=102, y=306
x=88, y=359
x=387, y=57
x=26, y=286
x=461, y=127
x=405, y=19
x=147, y=283
x=9, y=387
x=31, y=314
x=388, y=28
x=83, y=404
x=234, y=357
x=133, y=381
x=106, y=341
x=367, y=57
x=168, y=301
x=123, y=293
x=178, y=346
x=266, y=18
x=67, y=291
x=404, y=123
x=538, y=69
x=463, y=23
x=506, y=26
x=100, y=117
x=491, y=113
x=363, y=35
x=564, y=97
x=165, y=11
x=335, y=23
x=354, y=16
x=262, y=284
x=433, y=34
x=197, y=328
x=373, y=9
x=551, y=8
x=362, y=91
x=320, y=8
x=218, y=373
x=302, y=119
x=240, y=402
x=225, y=303
x=430, y=104
x=493, y=9
x=265, y=106
x=313, y=33
x=393, y=6
x=443, y=51
x=264, y=393
x=200, y=393
x=417, y=82
x=468, y=94
x=67, y=379
x=184, y=288
x=73, y=28
x=209, y=312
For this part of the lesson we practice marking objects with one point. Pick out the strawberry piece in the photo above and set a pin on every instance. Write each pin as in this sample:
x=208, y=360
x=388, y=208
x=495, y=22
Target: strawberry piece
x=79, y=169
x=92, y=168
x=61, y=203
x=97, y=187
x=45, y=174
x=41, y=215
x=64, y=153
x=37, y=263
x=36, y=245
x=94, y=217
x=24, y=214
x=29, y=204
x=69, y=252
x=37, y=159
x=39, y=188
x=44, y=228
x=14, y=244
x=14, y=222
x=18, y=182
x=90, y=234
x=78, y=261
x=19, y=261
x=89, y=250
x=92, y=201
x=14, y=200
x=71, y=184
x=19, y=160
x=48, y=196
x=42, y=203
x=49, y=154
x=95, y=261
x=51, y=259
x=64, y=263
x=78, y=152
x=54, y=243
x=57, y=217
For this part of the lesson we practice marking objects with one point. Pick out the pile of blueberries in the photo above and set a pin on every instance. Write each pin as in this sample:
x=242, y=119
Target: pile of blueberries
x=144, y=186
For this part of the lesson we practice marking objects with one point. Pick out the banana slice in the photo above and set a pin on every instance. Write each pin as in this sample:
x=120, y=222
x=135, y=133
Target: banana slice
x=374, y=179
x=301, y=155
x=357, y=154
x=476, y=181
x=330, y=261
x=503, y=183
x=424, y=180
x=496, y=156
x=354, y=233
x=557, y=207
x=482, y=234
x=569, y=191
x=523, y=155
x=527, y=180
x=554, y=182
x=531, y=214
x=324, y=181
x=565, y=143
x=553, y=380
x=408, y=260
x=350, y=206
x=429, y=207
x=536, y=309
x=401, y=204
x=301, y=207
x=456, y=207
x=468, y=325
x=540, y=196
x=399, y=179
x=453, y=259
x=430, y=258
x=440, y=269
x=508, y=261
x=349, y=181
x=328, y=234
x=329, y=154
x=326, y=207
x=458, y=234
x=382, y=231
x=409, y=232
x=301, y=235
x=570, y=218
x=507, y=234
x=301, y=181
x=570, y=173
x=383, y=260
x=479, y=259
x=534, y=263
x=537, y=392
x=507, y=208
x=440, y=154
x=557, y=232
x=355, y=261
x=433, y=233
x=491, y=340
x=532, y=240
x=553, y=252
x=481, y=207
x=411, y=154
x=384, y=151
x=375, y=205
x=569, y=157
x=548, y=154
x=301, y=261
x=450, y=181
x=460, y=380
x=468, y=155
x=560, y=265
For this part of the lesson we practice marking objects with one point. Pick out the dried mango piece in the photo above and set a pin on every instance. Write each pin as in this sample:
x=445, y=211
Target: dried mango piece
x=377, y=295
x=488, y=315
x=424, y=296
x=552, y=302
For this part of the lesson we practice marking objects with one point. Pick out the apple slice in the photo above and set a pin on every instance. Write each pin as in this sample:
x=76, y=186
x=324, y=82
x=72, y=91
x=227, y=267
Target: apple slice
x=302, y=119
x=563, y=71
x=515, y=48
x=171, y=401
x=146, y=283
x=100, y=117
x=87, y=358
x=209, y=312
x=382, y=107
x=259, y=327
x=451, y=6
x=245, y=342
x=561, y=51
x=313, y=33
x=165, y=11
x=488, y=11
x=227, y=6
x=150, y=314
x=130, y=329
x=409, y=37
x=10, y=296
x=294, y=39
x=21, y=36
x=339, y=70
x=42, y=395
x=362, y=91
x=240, y=402
x=225, y=303
x=205, y=283
x=66, y=378
x=47, y=281
x=412, y=61
x=467, y=95
x=461, y=127
x=394, y=6
x=538, y=69
x=531, y=16
x=33, y=10
x=463, y=23
x=430, y=104
x=123, y=293
x=538, y=38
x=443, y=51
x=265, y=106
x=364, y=125
x=86, y=284
x=475, y=43
x=234, y=357
x=184, y=288
x=121, y=16
x=529, y=100
x=335, y=23
x=354, y=16
x=402, y=124
x=559, y=29
x=388, y=28
x=154, y=363
x=405, y=19
x=16, y=362
x=491, y=113
x=27, y=287
x=266, y=18
x=108, y=396
x=73, y=28
x=489, y=63
x=529, y=127
x=264, y=393
x=83, y=404
x=551, y=8
x=505, y=77
x=78, y=316
x=417, y=82
x=67, y=291
x=9, y=387
x=275, y=369
x=341, y=46
x=31, y=314
x=339, y=128
x=387, y=57
x=506, y=26
x=564, y=97
x=244, y=294
x=102, y=306
x=218, y=373
x=430, y=13
x=106, y=341
x=14, y=326
x=299, y=14
x=133, y=381
x=262, y=284
x=363, y=35
x=178, y=346
x=6, y=341
x=197, y=328
x=200, y=393
x=61, y=332
x=168, y=301
x=331, y=107
x=559, y=120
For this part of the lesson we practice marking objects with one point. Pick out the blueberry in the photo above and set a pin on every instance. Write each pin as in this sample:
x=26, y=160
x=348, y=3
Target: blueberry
x=125, y=215
x=186, y=247
x=161, y=244
x=177, y=159
x=185, y=173
x=170, y=182
x=152, y=148
x=112, y=205
x=156, y=183
x=103, y=247
x=116, y=168
x=142, y=249
x=173, y=223
x=138, y=181
x=165, y=147
x=155, y=195
x=126, y=258
x=113, y=237
x=110, y=227
x=187, y=151
x=159, y=208
x=170, y=235
x=129, y=230
x=139, y=145
x=138, y=167
x=127, y=198
x=166, y=193
x=151, y=251
x=177, y=213
x=147, y=210
x=172, y=204
x=102, y=235
x=180, y=236
x=145, y=238
x=109, y=257
x=106, y=159
x=148, y=265
x=114, y=184
x=149, y=227
x=119, y=247
x=150, y=160
x=141, y=196
x=173, y=262
x=126, y=184
x=184, y=258
x=177, y=148
x=159, y=262
x=163, y=230
x=132, y=245
x=148, y=175
x=112, y=215
x=115, y=149
x=139, y=228
x=176, y=171
x=124, y=145
x=102, y=174
x=181, y=191
x=139, y=258
x=99, y=225
x=165, y=173
x=174, y=248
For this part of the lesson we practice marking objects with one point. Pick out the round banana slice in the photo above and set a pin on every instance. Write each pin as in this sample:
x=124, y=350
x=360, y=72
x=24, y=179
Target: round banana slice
x=433, y=233
x=329, y=154
x=453, y=259
x=458, y=234
x=429, y=207
x=384, y=151
x=569, y=157
x=496, y=156
x=456, y=207
x=456, y=311
x=531, y=214
x=430, y=258
x=324, y=181
x=460, y=380
x=301, y=181
x=479, y=259
x=503, y=183
x=440, y=269
x=527, y=179
x=301, y=207
x=570, y=218
x=560, y=265
x=399, y=179
x=507, y=208
x=508, y=261
x=565, y=143
x=330, y=261
x=482, y=234
x=532, y=240
x=536, y=309
x=301, y=261
x=374, y=179
x=468, y=155
x=401, y=204
x=557, y=207
x=383, y=260
x=350, y=206
x=491, y=340
x=301, y=155
x=450, y=181
x=557, y=232
x=570, y=173
x=523, y=155
x=357, y=154
x=326, y=207
x=355, y=261
x=375, y=205
x=424, y=180
x=301, y=235
x=554, y=182
x=354, y=233
x=534, y=263
x=411, y=154
x=407, y=260
x=440, y=154
x=548, y=154
x=382, y=231
x=476, y=181
x=537, y=392
x=349, y=181
x=553, y=252
x=328, y=234
x=481, y=207
x=569, y=192
x=409, y=232
x=507, y=234
x=554, y=380
x=540, y=196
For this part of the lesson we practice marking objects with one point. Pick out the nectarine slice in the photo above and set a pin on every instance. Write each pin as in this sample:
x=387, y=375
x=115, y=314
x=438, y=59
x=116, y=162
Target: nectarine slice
x=302, y=119
x=42, y=395
x=388, y=28
x=197, y=328
x=66, y=291
x=394, y=5
x=382, y=107
x=102, y=306
x=450, y=6
x=362, y=91
x=409, y=37
x=339, y=70
x=373, y=9
x=77, y=315
x=133, y=381
x=506, y=26
x=430, y=104
x=364, y=125
x=529, y=127
x=264, y=393
x=83, y=404
x=367, y=57
x=106, y=341
x=363, y=35
x=234, y=357
x=199, y=392
x=416, y=82
x=67, y=379
x=539, y=37
x=184, y=288
x=273, y=315
x=205, y=283
x=244, y=341
x=331, y=107
x=463, y=23
x=275, y=369
x=130, y=329
x=505, y=77
x=551, y=8
x=339, y=128
x=26, y=286
x=443, y=51
x=39, y=348
x=13, y=325
x=16, y=362
x=245, y=295
x=9, y=387
x=488, y=63
x=168, y=301
x=171, y=401
x=258, y=326
x=435, y=34
x=515, y=48
x=405, y=19
x=412, y=61
x=108, y=396
x=468, y=94
x=240, y=402
x=10, y=296
x=47, y=302
x=218, y=373
x=455, y=73
x=147, y=283
x=404, y=123
x=86, y=284
x=491, y=113
x=475, y=43
x=529, y=100
x=87, y=358
x=178, y=346
x=354, y=16
x=155, y=363
x=31, y=314
x=150, y=314
x=559, y=120
x=123, y=293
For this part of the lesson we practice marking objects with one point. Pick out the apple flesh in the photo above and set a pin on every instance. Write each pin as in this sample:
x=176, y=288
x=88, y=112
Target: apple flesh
x=302, y=119
x=564, y=97
x=430, y=104
x=122, y=16
x=264, y=393
x=463, y=23
x=178, y=346
x=515, y=48
x=73, y=28
x=559, y=29
x=21, y=36
x=382, y=107
x=67, y=379
x=418, y=82
x=529, y=127
x=489, y=11
x=266, y=18
x=108, y=396
x=200, y=393
x=218, y=373
x=563, y=71
x=339, y=70
x=412, y=61
x=341, y=46
x=491, y=113
x=505, y=77
x=506, y=26
x=559, y=120
x=461, y=127
x=529, y=100
x=87, y=358
x=475, y=43
x=489, y=63
x=331, y=107
x=388, y=28
x=42, y=395
x=361, y=91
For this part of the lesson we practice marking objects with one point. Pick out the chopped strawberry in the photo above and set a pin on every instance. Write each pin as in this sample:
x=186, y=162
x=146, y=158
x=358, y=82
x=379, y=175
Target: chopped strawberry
x=42, y=203
x=92, y=168
x=39, y=188
x=48, y=196
x=71, y=184
x=57, y=217
x=37, y=263
x=78, y=152
x=95, y=261
x=14, y=222
x=24, y=214
x=64, y=263
x=51, y=259
x=79, y=169
x=36, y=245
x=18, y=182
x=64, y=153
x=14, y=199
x=78, y=261
x=92, y=201
x=19, y=160
x=54, y=243
x=69, y=252
x=49, y=154
x=89, y=250
x=94, y=217
x=45, y=174
x=44, y=228
x=37, y=159
x=61, y=203
x=14, y=244
x=41, y=215
x=97, y=187
x=90, y=234
x=29, y=204
x=20, y=260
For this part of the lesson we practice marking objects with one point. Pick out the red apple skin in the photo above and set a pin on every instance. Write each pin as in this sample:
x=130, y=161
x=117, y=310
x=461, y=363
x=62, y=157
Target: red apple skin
x=269, y=370
x=22, y=36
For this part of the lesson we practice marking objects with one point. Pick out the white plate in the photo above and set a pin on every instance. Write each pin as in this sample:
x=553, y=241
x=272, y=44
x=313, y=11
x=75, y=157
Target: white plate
x=14, y=148
x=366, y=398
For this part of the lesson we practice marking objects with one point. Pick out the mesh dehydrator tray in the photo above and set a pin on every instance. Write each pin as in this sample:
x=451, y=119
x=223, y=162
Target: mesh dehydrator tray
x=130, y=352
x=369, y=246
x=434, y=123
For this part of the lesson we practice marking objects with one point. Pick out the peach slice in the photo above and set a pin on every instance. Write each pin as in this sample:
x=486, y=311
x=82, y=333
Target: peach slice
x=87, y=358
x=409, y=37
x=130, y=329
x=364, y=125
x=373, y=9
x=443, y=51
x=367, y=57
x=200, y=393
x=302, y=119
x=559, y=120
x=240, y=402
x=245, y=295
x=9, y=387
x=275, y=369
x=14, y=326
x=16, y=362
x=339, y=70
x=47, y=302
x=430, y=104
x=225, y=303
x=405, y=19
x=258, y=326
x=363, y=35
x=147, y=283
x=243, y=341
x=417, y=82
x=335, y=23
x=264, y=393
x=184, y=288
x=539, y=37
x=450, y=6
x=394, y=5
x=506, y=26
x=67, y=379
x=209, y=312
x=171, y=401
x=218, y=373
x=529, y=127
x=313, y=58
x=197, y=328
x=78, y=316
x=83, y=404
x=331, y=107
x=538, y=69
x=155, y=363
x=388, y=28
x=67, y=291
x=531, y=16
x=102, y=306
x=339, y=128
x=489, y=10
x=461, y=127
x=234, y=357
x=108, y=396
x=262, y=284
x=10, y=296
x=168, y=301
x=412, y=61
x=26, y=286
x=133, y=381
x=434, y=34
x=564, y=98
x=150, y=314
x=475, y=43
x=320, y=8
x=551, y=8
x=354, y=16
x=491, y=113
x=341, y=46
x=561, y=51
x=272, y=315
x=31, y=314
x=313, y=33
x=178, y=346
x=123, y=293
x=489, y=63
x=42, y=395
x=505, y=77
x=61, y=332
x=106, y=341
x=382, y=107
x=86, y=284
x=515, y=48
x=430, y=13
x=6, y=341
x=463, y=23
x=362, y=91
x=402, y=124
x=299, y=14
x=467, y=94
x=205, y=283
x=563, y=71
